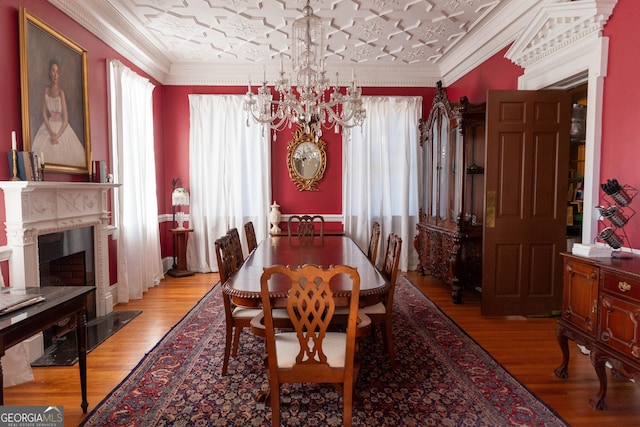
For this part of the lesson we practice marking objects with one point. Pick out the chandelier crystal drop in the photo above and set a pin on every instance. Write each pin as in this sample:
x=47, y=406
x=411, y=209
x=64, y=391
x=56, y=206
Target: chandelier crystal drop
x=306, y=103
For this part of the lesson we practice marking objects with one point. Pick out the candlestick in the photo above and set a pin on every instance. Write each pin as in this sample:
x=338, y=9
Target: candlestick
x=14, y=145
x=14, y=166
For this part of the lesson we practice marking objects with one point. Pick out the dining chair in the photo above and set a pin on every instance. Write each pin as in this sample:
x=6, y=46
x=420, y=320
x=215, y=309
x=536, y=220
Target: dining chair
x=374, y=240
x=236, y=317
x=250, y=235
x=381, y=313
x=311, y=353
x=305, y=225
x=237, y=247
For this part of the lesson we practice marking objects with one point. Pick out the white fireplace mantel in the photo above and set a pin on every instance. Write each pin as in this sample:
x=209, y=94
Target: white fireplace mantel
x=36, y=208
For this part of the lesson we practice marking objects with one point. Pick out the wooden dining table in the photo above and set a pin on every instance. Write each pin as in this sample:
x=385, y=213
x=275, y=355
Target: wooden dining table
x=294, y=251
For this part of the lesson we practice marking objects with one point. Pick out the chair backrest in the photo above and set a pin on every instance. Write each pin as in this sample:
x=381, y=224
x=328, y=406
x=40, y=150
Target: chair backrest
x=305, y=225
x=250, y=235
x=391, y=262
x=225, y=257
x=237, y=247
x=310, y=305
x=374, y=241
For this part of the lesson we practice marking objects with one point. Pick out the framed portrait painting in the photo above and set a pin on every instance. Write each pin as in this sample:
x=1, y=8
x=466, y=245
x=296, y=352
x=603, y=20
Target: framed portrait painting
x=55, y=97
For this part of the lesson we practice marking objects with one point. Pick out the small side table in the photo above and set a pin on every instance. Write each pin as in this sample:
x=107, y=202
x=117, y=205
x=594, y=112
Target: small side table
x=180, y=234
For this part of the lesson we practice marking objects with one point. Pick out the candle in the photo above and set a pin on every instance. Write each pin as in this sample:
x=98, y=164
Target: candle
x=264, y=73
x=41, y=159
x=14, y=145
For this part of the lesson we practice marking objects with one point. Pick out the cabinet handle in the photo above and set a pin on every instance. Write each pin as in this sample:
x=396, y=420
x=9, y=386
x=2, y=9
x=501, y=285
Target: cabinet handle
x=624, y=286
x=594, y=306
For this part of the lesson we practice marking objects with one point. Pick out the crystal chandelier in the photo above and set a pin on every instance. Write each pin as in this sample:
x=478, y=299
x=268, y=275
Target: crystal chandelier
x=306, y=103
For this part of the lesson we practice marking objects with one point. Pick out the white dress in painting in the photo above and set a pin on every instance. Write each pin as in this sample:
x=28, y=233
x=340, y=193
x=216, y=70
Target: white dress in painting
x=69, y=151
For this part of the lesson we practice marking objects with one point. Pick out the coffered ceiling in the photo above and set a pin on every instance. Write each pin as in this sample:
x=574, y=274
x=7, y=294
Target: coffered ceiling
x=383, y=42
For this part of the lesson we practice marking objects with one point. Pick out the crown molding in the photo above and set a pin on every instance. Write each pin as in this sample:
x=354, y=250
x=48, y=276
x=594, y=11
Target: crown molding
x=106, y=23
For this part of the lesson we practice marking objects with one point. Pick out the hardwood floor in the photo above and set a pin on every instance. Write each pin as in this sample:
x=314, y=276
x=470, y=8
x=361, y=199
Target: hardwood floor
x=527, y=347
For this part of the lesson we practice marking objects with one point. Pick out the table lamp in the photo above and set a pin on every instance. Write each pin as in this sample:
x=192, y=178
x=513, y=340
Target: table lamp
x=179, y=197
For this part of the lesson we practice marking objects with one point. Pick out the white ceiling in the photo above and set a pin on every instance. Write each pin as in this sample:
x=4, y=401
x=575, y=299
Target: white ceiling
x=384, y=42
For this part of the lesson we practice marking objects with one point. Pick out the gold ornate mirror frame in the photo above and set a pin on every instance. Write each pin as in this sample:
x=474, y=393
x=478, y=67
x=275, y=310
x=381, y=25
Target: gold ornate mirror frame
x=298, y=158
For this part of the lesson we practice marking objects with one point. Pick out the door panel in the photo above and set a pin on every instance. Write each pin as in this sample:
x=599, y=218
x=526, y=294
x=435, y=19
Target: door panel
x=526, y=162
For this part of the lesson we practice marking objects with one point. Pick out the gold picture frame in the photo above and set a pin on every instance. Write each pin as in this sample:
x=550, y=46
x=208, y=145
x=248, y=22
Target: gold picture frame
x=55, y=97
x=306, y=159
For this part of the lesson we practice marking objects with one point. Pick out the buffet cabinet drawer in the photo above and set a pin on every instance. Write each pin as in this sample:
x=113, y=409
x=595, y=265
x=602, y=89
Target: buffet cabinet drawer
x=621, y=285
x=620, y=326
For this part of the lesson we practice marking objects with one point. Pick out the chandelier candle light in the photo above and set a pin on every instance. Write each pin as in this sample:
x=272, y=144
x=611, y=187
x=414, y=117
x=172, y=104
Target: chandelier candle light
x=307, y=103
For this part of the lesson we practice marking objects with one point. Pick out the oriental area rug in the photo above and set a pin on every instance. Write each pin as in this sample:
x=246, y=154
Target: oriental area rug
x=442, y=378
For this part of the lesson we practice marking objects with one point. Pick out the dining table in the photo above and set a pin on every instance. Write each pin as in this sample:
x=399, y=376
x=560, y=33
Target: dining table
x=294, y=251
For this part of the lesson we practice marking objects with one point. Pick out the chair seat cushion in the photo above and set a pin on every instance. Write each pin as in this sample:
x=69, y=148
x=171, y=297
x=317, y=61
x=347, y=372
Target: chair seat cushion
x=245, y=313
x=334, y=346
x=250, y=313
x=378, y=308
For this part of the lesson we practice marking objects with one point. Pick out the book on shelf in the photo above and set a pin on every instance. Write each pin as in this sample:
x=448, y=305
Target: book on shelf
x=99, y=171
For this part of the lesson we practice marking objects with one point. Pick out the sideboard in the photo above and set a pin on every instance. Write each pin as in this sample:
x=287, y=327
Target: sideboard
x=601, y=311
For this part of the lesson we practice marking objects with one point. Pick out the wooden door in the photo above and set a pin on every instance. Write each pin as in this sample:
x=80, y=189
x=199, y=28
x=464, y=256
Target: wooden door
x=526, y=170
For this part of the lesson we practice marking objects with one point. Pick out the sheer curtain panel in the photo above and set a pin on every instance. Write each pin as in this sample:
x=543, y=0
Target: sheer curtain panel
x=381, y=165
x=134, y=166
x=230, y=176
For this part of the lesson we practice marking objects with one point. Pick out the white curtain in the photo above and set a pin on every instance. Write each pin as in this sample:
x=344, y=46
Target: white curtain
x=230, y=176
x=134, y=166
x=381, y=166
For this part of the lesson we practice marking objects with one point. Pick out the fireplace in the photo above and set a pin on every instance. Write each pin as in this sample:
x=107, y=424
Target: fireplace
x=42, y=214
x=66, y=259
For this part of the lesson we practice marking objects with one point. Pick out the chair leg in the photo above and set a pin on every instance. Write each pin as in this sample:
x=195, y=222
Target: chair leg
x=274, y=390
x=388, y=341
x=348, y=403
x=227, y=348
x=236, y=341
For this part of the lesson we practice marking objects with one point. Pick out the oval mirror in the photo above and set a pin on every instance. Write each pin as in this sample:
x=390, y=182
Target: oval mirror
x=306, y=159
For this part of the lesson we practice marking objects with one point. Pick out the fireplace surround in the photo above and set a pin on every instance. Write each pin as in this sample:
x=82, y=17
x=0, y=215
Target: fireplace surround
x=36, y=208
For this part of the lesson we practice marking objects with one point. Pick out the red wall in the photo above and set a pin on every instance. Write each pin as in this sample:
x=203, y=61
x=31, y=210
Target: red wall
x=620, y=136
x=496, y=73
x=98, y=53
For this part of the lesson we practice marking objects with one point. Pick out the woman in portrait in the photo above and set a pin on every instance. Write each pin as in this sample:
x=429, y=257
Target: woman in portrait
x=55, y=139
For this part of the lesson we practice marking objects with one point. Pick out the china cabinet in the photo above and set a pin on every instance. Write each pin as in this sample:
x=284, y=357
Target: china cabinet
x=449, y=239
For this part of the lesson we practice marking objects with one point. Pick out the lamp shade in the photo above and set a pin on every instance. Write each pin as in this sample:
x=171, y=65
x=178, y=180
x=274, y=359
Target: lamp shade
x=180, y=197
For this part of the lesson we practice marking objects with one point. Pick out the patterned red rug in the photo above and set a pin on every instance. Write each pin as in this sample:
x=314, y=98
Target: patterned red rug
x=443, y=378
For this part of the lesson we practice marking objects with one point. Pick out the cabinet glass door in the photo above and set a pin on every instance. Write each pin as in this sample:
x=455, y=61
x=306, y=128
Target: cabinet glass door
x=444, y=160
x=455, y=173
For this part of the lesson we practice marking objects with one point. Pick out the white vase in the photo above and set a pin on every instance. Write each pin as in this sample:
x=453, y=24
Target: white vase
x=274, y=218
x=180, y=220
